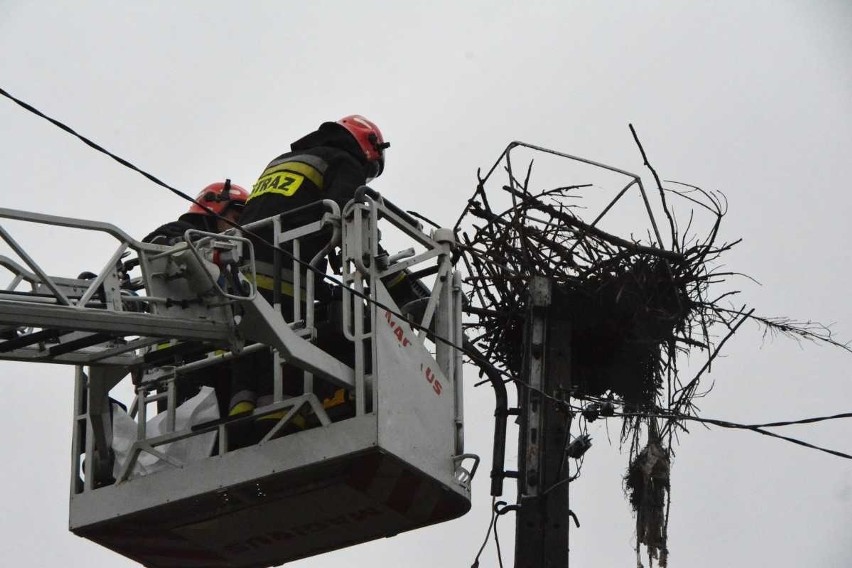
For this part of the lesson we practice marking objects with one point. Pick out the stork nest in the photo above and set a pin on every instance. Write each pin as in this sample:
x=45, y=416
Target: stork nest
x=632, y=306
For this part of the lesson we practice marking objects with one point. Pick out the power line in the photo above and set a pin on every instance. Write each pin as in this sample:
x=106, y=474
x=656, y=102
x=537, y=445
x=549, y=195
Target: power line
x=802, y=421
x=497, y=542
x=488, y=532
x=259, y=238
x=751, y=427
x=99, y=148
x=776, y=424
x=759, y=429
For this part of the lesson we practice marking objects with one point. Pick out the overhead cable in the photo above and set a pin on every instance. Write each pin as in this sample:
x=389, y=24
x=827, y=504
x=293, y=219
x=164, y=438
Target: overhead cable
x=260, y=239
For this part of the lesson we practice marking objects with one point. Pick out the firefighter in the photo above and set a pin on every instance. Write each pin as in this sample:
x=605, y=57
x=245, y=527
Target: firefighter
x=224, y=200
x=330, y=163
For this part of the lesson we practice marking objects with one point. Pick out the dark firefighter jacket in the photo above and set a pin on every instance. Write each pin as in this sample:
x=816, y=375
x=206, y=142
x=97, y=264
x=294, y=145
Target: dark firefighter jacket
x=174, y=230
x=325, y=164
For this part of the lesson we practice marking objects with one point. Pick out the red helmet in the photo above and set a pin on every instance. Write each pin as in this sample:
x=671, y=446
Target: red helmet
x=370, y=140
x=218, y=197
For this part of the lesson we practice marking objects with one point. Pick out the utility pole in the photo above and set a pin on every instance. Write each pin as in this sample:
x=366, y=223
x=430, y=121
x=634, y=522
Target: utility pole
x=541, y=533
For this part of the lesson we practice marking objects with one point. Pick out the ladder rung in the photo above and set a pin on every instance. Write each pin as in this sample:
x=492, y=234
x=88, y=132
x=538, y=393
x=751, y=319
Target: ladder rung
x=86, y=341
x=31, y=338
x=182, y=349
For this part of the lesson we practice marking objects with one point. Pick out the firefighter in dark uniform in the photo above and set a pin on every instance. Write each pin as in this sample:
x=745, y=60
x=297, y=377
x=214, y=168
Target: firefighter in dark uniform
x=224, y=200
x=329, y=163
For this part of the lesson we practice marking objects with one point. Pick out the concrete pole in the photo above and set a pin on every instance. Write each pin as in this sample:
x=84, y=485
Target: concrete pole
x=541, y=535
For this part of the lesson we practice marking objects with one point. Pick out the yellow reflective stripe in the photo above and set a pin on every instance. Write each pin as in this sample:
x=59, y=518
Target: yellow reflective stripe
x=337, y=399
x=282, y=183
x=297, y=420
x=268, y=283
x=397, y=279
x=285, y=178
x=241, y=408
x=315, y=161
x=306, y=170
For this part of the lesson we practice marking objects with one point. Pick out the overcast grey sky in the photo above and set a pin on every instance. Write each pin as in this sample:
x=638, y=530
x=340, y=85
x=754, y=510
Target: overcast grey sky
x=748, y=98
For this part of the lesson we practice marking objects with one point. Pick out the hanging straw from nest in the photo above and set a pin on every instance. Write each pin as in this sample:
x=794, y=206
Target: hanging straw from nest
x=647, y=486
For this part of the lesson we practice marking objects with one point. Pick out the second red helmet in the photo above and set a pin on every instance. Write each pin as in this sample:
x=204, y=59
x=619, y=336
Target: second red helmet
x=369, y=138
x=218, y=197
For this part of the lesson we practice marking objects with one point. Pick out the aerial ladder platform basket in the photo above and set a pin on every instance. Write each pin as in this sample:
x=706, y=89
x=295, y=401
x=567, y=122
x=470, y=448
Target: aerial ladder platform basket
x=315, y=482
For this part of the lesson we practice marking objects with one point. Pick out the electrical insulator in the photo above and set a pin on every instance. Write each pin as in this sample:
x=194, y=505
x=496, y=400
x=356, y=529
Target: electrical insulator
x=579, y=446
